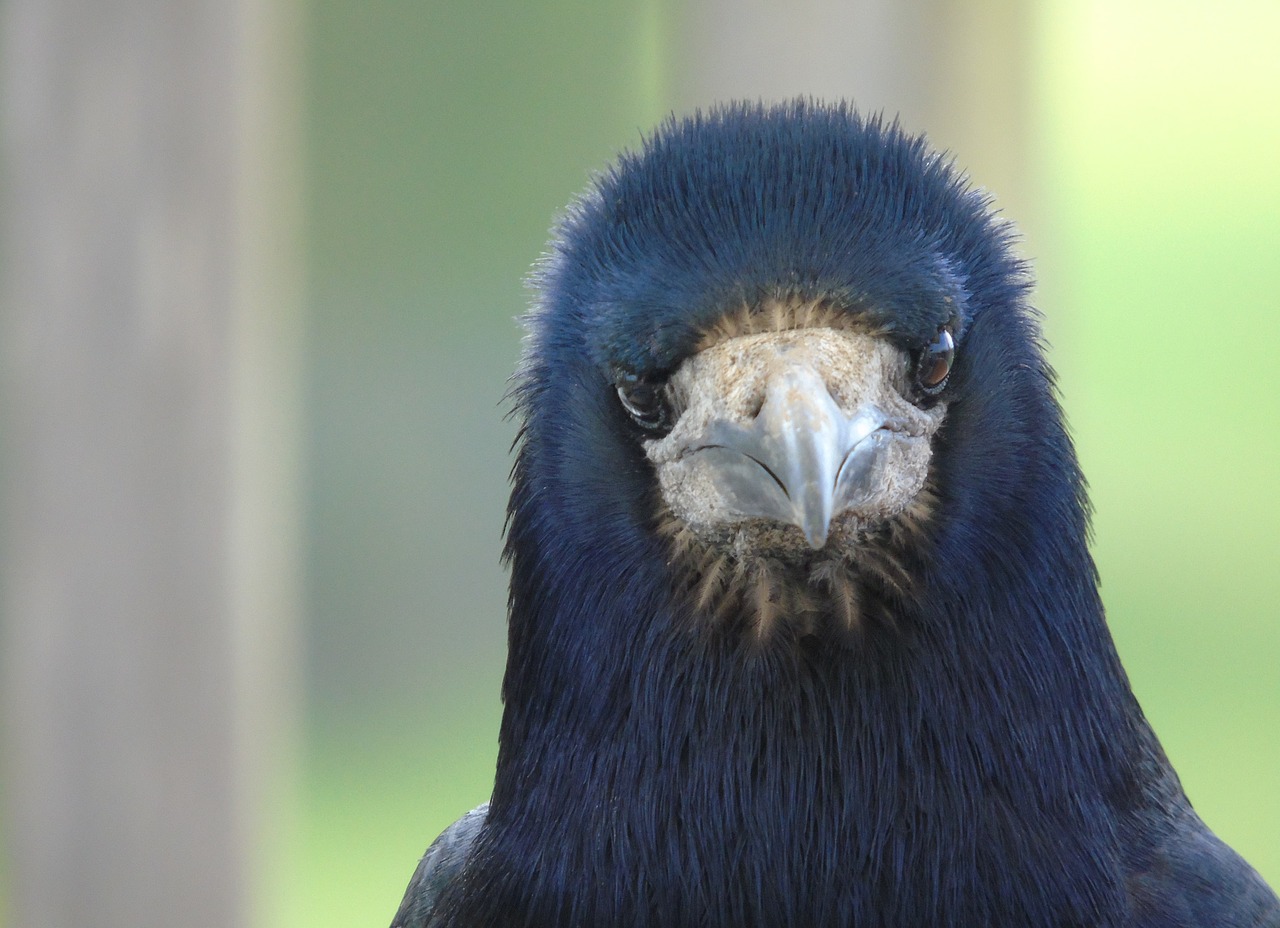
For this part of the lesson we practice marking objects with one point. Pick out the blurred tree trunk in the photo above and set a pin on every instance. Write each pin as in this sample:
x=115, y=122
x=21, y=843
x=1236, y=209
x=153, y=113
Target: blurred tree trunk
x=958, y=71
x=149, y=380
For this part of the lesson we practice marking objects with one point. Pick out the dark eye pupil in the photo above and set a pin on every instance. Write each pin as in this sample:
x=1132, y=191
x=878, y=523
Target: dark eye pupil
x=643, y=401
x=935, y=361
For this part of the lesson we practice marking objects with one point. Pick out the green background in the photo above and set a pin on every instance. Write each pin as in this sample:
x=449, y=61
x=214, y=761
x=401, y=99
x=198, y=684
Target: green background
x=441, y=140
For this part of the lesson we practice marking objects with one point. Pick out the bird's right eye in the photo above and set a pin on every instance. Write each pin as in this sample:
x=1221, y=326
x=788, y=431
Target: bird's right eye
x=644, y=400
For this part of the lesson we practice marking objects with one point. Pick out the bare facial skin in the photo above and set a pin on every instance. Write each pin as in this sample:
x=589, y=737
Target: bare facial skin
x=790, y=448
x=730, y=383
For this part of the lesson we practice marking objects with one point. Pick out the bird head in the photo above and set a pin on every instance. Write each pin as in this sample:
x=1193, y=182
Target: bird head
x=766, y=318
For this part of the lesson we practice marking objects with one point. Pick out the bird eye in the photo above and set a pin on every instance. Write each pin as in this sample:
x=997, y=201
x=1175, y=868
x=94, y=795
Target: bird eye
x=644, y=400
x=933, y=367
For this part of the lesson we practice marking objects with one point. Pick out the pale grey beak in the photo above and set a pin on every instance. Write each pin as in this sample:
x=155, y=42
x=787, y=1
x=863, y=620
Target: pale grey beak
x=802, y=460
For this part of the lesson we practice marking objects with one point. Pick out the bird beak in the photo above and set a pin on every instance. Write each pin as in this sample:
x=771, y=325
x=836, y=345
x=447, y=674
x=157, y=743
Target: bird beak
x=801, y=460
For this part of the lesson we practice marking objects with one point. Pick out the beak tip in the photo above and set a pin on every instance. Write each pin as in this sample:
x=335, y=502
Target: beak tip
x=816, y=536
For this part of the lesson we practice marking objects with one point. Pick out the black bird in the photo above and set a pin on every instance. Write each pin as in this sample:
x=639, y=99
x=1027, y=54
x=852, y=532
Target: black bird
x=804, y=630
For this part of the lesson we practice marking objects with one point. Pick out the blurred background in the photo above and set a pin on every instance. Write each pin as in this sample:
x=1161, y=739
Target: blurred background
x=262, y=269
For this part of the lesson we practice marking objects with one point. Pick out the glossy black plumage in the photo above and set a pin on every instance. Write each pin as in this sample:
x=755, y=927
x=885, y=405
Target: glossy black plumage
x=968, y=754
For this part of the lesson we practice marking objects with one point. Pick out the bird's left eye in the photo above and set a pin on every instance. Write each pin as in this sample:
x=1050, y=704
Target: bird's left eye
x=644, y=400
x=933, y=367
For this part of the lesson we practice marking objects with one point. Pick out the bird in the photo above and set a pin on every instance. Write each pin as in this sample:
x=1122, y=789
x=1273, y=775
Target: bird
x=803, y=625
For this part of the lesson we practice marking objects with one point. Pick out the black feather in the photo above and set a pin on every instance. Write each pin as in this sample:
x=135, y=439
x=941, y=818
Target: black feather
x=440, y=865
x=975, y=757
